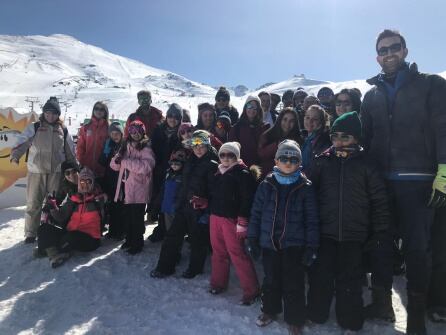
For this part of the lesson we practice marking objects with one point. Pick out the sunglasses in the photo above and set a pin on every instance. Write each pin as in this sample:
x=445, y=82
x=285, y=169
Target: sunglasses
x=340, y=137
x=99, y=109
x=340, y=103
x=286, y=159
x=383, y=51
x=69, y=172
x=221, y=99
x=228, y=155
x=85, y=182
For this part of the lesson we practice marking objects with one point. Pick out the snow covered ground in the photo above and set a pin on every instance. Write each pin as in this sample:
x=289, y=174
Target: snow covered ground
x=110, y=292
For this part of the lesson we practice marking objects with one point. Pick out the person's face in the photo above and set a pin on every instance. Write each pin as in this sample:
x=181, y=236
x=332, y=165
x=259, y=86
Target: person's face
x=227, y=158
x=116, y=136
x=144, y=100
x=265, y=101
x=298, y=100
x=207, y=117
x=99, y=112
x=185, y=135
x=136, y=136
x=325, y=97
x=340, y=140
x=391, y=54
x=287, y=164
x=71, y=175
x=172, y=122
x=287, y=123
x=287, y=102
x=308, y=101
x=50, y=117
x=222, y=103
x=343, y=104
x=200, y=150
x=312, y=120
x=176, y=165
x=85, y=186
x=251, y=110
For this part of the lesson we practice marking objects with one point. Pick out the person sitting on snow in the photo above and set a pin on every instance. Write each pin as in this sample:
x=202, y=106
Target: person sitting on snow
x=76, y=225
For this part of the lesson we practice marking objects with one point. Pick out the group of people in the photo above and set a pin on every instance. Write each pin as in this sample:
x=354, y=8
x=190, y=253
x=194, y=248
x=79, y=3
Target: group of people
x=331, y=186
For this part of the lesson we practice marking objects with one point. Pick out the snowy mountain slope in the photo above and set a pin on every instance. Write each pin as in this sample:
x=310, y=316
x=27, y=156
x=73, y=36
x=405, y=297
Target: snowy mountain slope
x=109, y=292
x=81, y=74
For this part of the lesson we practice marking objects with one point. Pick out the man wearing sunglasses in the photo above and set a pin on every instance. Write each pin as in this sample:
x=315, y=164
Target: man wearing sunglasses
x=222, y=99
x=404, y=127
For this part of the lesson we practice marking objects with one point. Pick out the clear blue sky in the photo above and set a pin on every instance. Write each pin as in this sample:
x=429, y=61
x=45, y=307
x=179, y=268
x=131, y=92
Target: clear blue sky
x=242, y=41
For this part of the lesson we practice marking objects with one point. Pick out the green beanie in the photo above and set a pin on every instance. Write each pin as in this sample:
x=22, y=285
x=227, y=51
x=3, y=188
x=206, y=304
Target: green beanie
x=348, y=123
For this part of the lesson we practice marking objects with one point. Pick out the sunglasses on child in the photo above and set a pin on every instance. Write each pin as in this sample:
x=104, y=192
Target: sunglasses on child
x=85, y=182
x=286, y=159
x=340, y=137
x=383, y=51
x=228, y=155
x=69, y=172
x=99, y=109
x=221, y=99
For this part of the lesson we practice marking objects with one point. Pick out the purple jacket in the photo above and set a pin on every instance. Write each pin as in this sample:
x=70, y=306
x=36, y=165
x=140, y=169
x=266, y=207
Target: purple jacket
x=135, y=171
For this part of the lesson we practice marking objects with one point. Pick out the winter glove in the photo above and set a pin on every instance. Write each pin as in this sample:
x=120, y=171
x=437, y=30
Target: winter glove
x=252, y=248
x=309, y=256
x=438, y=197
x=242, y=228
x=118, y=158
x=199, y=202
x=50, y=203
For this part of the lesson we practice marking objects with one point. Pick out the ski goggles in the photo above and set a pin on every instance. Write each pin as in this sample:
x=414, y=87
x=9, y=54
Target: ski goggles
x=341, y=137
x=384, y=51
x=251, y=106
x=86, y=182
x=287, y=159
x=198, y=141
x=136, y=130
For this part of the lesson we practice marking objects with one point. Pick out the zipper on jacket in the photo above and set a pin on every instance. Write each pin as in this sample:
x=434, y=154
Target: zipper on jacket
x=274, y=217
x=286, y=211
x=341, y=186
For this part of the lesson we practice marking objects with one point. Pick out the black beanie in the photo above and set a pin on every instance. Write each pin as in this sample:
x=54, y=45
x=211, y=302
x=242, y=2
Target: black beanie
x=348, y=123
x=115, y=126
x=222, y=93
x=51, y=106
x=69, y=165
x=175, y=111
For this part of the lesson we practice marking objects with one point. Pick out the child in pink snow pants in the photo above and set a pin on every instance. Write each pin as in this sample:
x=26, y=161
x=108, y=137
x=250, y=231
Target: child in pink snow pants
x=231, y=200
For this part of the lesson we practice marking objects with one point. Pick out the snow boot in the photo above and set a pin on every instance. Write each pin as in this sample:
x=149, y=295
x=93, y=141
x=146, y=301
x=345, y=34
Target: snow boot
x=416, y=310
x=381, y=306
x=437, y=314
x=249, y=300
x=294, y=330
x=264, y=319
x=30, y=239
x=56, y=258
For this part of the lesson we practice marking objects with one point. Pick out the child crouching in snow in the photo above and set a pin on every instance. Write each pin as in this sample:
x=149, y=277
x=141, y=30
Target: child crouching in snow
x=135, y=162
x=231, y=200
x=82, y=211
x=284, y=225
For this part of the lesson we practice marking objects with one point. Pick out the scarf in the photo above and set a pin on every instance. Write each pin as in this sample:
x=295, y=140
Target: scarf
x=286, y=179
x=224, y=169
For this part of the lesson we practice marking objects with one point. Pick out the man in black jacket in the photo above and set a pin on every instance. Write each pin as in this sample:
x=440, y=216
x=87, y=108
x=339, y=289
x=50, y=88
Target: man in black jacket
x=404, y=128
